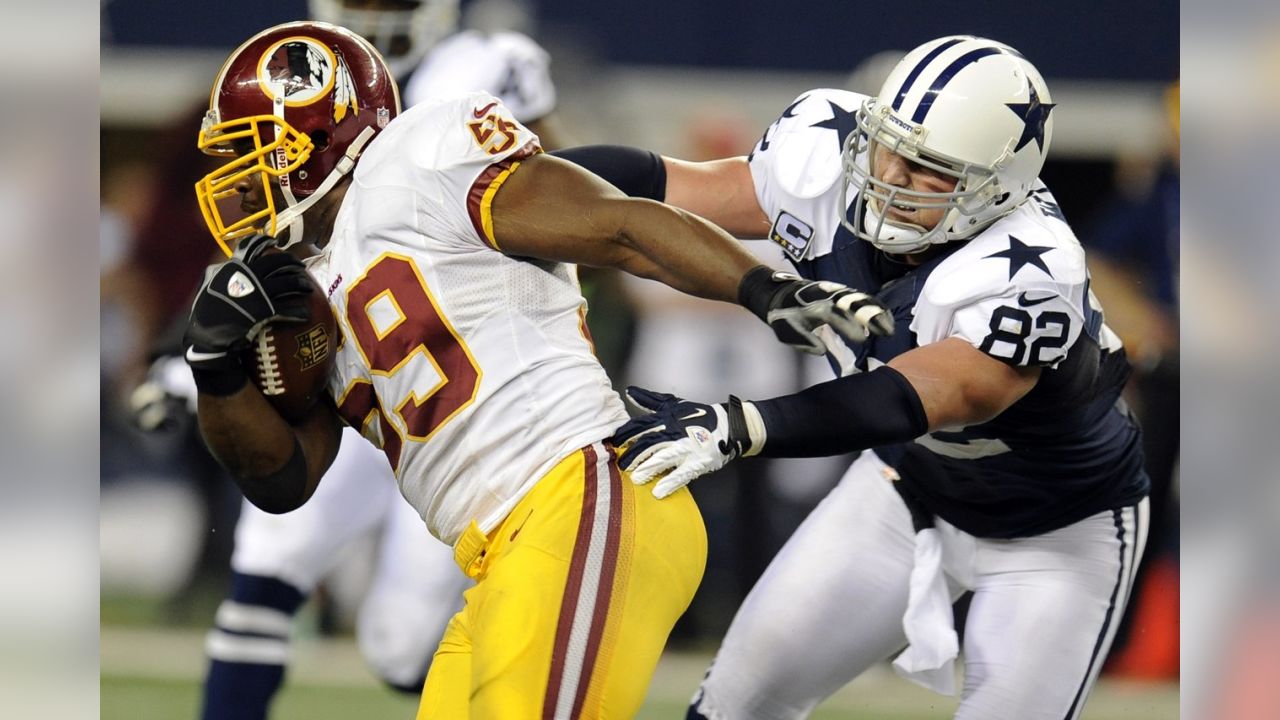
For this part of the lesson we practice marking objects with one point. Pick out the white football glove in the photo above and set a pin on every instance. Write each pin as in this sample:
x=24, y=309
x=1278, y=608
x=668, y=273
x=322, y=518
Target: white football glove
x=679, y=440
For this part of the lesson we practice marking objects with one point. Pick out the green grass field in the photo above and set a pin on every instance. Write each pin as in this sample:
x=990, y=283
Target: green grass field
x=154, y=674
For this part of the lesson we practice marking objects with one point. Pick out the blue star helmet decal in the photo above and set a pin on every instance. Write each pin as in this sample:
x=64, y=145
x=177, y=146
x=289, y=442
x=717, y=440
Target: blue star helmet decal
x=1021, y=254
x=1034, y=114
x=841, y=120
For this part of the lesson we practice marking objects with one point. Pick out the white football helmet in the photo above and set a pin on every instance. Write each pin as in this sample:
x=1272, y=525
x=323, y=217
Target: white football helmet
x=402, y=30
x=971, y=108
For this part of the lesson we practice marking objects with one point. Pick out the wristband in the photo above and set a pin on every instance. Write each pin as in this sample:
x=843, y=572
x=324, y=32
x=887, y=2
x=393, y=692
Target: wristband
x=219, y=383
x=756, y=290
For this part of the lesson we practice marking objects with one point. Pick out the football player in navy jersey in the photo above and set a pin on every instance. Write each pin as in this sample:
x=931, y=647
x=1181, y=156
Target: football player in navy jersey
x=999, y=456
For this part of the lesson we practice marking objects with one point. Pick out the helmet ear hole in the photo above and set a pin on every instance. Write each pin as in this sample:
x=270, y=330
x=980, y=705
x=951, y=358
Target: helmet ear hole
x=320, y=138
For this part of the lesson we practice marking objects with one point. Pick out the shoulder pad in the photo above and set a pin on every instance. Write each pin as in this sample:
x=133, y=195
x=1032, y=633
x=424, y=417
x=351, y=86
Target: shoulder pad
x=801, y=149
x=796, y=171
x=1019, y=291
x=469, y=129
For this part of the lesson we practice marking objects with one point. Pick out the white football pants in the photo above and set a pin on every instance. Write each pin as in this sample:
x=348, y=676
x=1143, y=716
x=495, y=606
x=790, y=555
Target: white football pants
x=1043, y=614
x=416, y=586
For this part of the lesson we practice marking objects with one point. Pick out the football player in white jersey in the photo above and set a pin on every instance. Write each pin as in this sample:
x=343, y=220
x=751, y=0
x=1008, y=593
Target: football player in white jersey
x=998, y=457
x=443, y=238
x=279, y=559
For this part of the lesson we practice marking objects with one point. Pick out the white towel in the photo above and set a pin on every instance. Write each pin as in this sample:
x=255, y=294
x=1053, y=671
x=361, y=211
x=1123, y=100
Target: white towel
x=929, y=659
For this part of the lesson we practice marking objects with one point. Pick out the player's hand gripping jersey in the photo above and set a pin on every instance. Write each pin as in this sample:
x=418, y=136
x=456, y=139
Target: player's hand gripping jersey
x=470, y=369
x=1018, y=291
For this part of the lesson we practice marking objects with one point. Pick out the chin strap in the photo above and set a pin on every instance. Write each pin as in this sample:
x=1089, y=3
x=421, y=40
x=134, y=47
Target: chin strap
x=290, y=219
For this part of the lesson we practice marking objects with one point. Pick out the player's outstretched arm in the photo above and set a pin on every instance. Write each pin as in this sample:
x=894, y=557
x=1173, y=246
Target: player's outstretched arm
x=554, y=210
x=937, y=386
x=960, y=385
x=721, y=191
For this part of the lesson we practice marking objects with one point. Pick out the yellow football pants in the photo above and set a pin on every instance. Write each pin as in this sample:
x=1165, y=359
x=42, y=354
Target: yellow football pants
x=576, y=593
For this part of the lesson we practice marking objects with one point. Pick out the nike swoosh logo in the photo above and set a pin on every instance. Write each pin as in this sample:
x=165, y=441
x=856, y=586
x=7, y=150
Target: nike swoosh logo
x=484, y=110
x=194, y=356
x=695, y=414
x=1025, y=301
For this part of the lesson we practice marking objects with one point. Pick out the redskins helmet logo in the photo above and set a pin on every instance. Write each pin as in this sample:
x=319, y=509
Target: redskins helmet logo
x=302, y=70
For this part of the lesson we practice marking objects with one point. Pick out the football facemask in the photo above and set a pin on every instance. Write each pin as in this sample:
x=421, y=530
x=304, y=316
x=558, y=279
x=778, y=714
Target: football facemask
x=270, y=161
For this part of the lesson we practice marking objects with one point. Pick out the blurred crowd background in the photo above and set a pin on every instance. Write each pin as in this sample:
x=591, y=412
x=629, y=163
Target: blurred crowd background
x=702, y=80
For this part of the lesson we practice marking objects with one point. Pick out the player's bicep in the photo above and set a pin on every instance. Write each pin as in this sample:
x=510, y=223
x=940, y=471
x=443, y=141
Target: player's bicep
x=721, y=191
x=960, y=385
x=552, y=209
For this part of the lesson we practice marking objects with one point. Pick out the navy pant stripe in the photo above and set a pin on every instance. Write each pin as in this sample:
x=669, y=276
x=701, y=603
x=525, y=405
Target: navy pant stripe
x=1121, y=577
x=1134, y=556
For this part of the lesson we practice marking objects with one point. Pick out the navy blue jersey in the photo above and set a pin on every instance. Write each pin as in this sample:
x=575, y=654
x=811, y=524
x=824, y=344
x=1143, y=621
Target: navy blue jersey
x=1018, y=291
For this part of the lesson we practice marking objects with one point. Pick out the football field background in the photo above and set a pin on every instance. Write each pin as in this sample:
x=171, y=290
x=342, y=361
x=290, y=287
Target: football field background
x=154, y=674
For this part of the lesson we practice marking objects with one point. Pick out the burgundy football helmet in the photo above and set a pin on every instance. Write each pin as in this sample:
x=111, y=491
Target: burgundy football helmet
x=294, y=104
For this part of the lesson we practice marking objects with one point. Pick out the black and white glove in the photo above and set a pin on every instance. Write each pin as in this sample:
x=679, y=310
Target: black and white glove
x=678, y=440
x=237, y=298
x=795, y=308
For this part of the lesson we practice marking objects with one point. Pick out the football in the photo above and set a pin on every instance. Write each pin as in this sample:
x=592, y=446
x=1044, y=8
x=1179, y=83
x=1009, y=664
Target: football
x=290, y=361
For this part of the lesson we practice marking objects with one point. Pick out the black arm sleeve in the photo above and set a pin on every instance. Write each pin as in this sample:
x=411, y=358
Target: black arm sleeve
x=284, y=490
x=855, y=412
x=638, y=173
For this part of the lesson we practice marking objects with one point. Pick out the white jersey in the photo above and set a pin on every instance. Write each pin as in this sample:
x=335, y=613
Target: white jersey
x=1026, y=304
x=471, y=369
x=507, y=64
